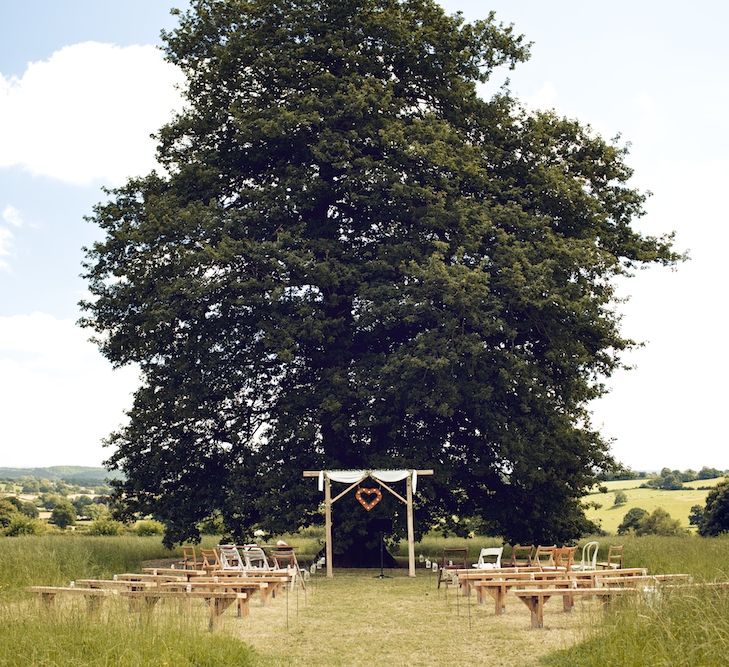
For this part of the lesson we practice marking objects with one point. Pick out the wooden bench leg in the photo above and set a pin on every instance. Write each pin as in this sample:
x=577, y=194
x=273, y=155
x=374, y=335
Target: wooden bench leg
x=93, y=603
x=499, y=596
x=217, y=607
x=535, y=603
x=48, y=599
x=243, y=607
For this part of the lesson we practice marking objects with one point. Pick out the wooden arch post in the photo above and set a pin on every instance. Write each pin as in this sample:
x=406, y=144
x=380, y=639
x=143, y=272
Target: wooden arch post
x=329, y=501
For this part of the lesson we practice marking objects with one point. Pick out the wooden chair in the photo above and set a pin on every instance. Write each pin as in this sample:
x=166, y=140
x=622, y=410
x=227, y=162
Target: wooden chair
x=544, y=557
x=210, y=560
x=284, y=558
x=615, y=558
x=521, y=555
x=486, y=553
x=454, y=558
x=189, y=559
x=564, y=558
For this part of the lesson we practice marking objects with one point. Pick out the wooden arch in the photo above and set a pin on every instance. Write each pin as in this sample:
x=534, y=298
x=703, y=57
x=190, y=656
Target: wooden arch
x=329, y=501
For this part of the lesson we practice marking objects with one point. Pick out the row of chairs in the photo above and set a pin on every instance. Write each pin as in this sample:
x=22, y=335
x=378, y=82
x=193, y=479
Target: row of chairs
x=241, y=558
x=544, y=557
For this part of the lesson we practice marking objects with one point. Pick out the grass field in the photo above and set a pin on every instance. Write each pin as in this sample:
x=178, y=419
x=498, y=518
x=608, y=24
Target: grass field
x=355, y=618
x=705, y=482
x=677, y=503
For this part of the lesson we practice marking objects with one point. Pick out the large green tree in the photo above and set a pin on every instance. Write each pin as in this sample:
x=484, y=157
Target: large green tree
x=352, y=260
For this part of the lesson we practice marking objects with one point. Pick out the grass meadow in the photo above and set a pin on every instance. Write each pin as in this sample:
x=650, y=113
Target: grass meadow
x=355, y=618
x=677, y=503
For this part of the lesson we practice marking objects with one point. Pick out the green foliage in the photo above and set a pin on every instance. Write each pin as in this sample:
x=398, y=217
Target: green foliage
x=212, y=525
x=696, y=515
x=49, y=500
x=659, y=522
x=63, y=515
x=709, y=473
x=351, y=260
x=620, y=498
x=7, y=511
x=21, y=524
x=632, y=520
x=81, y=504
x=149, y=527
x=715, y=519
x=97, y=511
x=105, y=525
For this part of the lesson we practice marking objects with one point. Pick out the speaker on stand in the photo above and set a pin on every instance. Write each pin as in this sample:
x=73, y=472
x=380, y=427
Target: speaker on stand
x=382, y=525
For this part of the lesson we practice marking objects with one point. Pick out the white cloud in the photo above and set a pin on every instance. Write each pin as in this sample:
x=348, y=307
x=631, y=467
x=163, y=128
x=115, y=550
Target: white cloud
x=11, y=215
x=6, y=242
x=544, y=98
x=86, y=113
x=58, y=396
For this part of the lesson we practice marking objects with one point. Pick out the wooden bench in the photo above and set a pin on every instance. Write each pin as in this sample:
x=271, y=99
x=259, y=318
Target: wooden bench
x=646, y=579
x=498, y=590
x=174, y=572
x=232, y=586
x=114, y=584
x=218, y=601
x=267, y=587
x=583, y=578
x=151, y=578
x=535, y=599
x=48, y=594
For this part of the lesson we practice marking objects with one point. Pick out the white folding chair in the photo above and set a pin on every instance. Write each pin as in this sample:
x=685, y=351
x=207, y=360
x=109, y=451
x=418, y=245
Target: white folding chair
x=230, y=558
x=255, y=558
x=487, y=553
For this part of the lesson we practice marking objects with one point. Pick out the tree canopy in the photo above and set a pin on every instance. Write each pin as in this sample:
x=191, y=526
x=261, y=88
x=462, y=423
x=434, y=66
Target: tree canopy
x=715, y=518
x=351, y=259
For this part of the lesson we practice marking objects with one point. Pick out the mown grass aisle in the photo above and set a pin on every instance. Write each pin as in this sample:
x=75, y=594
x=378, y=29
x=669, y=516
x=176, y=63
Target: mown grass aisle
x=356, y=619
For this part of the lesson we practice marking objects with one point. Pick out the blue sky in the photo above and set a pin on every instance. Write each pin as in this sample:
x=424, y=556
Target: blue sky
x=81, y=88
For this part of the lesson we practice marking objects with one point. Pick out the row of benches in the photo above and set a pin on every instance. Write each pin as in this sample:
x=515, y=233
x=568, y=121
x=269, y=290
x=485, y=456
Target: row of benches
x=534, y=587
x=219, y=590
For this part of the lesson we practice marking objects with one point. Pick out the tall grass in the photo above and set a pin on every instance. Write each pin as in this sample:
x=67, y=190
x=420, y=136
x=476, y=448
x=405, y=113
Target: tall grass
x=703, y=558
x=68, y=635
x=112, y=638
x=56, y=559
x=682, y=626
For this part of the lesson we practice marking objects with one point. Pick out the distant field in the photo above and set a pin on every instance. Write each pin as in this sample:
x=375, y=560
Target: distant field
x=676, y=503
x=616, y=484
x=705, y=482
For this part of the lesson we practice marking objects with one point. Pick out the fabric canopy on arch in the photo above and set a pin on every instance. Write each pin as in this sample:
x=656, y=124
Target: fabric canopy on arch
x=354, y=476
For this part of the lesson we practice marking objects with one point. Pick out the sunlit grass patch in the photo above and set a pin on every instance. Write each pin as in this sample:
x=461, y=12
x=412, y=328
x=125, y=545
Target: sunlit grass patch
x=114, y=636
x=681, y=627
